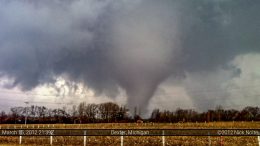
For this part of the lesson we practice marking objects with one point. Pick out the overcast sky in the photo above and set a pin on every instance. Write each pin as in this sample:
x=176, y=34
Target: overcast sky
x=140, y=53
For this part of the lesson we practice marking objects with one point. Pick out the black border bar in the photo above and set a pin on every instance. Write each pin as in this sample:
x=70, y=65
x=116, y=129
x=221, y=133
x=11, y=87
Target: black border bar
x=129, y=132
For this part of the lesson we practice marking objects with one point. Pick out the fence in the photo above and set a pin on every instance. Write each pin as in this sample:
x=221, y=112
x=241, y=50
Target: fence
x=51, y=131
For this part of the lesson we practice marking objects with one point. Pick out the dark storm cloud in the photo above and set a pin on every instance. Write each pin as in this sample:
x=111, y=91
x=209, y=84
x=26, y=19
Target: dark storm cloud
x=134, y=45
x=218, y=31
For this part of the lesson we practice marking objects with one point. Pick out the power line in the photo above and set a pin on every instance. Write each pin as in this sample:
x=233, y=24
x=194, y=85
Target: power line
x=34, y=94
x=11, y=99
x=40, y=102
x=22, y=93
x=49, y=102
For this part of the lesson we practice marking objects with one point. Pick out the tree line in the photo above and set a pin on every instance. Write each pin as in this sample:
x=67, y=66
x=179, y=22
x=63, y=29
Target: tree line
x=249, y=113
x=111, y=112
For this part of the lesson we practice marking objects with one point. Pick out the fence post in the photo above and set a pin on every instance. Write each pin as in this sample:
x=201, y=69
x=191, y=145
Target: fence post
x=209, y=140
x=20, y=139
x=258, y=137
x=51, y=140
x=163, y=138
x=221, y=141
x=85, y=138
x=122, y=140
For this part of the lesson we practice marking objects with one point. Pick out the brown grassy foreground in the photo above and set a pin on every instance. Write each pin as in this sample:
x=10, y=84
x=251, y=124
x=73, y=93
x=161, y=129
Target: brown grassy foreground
x=134, y=140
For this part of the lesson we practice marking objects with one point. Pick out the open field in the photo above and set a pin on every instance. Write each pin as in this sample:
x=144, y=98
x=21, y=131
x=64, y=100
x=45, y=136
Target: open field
x=134, y=140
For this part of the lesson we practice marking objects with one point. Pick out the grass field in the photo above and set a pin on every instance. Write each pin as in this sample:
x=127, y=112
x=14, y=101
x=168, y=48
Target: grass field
x=135, y=140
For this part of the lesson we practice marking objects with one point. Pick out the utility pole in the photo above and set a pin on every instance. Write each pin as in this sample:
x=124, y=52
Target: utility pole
x=26, y=111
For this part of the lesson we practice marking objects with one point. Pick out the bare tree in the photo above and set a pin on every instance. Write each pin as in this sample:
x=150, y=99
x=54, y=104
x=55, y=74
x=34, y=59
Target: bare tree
x=108, y=111
x=74, y=114
x=81, y=110
x=3, y=117
x=91, y=111
x=14, y=114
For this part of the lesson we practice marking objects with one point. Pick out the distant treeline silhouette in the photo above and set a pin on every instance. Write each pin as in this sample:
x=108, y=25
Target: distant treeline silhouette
x=111, y=112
